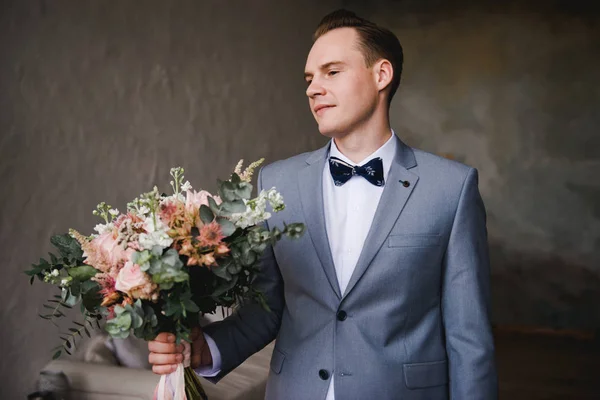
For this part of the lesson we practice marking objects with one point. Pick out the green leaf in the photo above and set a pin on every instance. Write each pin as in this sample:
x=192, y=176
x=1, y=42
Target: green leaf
x=234, y=268
x=67, y=246
x=71, y=300
x=227, y=227
x=244, y=190
x=221, y=271
x=227, y=191
x=88, y=286
x=171, y=258
x=224, y=287
x=191, y=306
x=212, y=204
x=74, y=289
x=234, y=206
x=206, y=215
x=157, y=251
x=82, y=272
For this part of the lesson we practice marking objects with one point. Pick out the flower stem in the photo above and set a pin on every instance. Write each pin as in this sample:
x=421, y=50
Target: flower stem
x=193, y=387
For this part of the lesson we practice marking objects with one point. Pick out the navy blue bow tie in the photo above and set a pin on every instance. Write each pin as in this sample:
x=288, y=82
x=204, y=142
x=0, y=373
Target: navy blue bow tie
x=341, y=171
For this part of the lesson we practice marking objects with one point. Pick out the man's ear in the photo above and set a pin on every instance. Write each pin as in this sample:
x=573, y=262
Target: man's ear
x=384, y=73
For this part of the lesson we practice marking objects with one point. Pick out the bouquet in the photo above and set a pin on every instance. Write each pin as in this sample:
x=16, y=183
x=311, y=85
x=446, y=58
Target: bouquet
x=167, y=260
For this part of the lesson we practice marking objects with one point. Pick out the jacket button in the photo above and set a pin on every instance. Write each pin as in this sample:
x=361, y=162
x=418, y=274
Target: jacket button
x=341, y=315
x=323, y=374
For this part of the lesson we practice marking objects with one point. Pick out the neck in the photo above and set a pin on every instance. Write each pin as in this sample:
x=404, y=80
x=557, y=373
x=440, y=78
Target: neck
x=363, y=141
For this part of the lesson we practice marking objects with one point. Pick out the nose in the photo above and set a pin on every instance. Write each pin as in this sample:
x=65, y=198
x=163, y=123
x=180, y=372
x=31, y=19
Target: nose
x=315, y=89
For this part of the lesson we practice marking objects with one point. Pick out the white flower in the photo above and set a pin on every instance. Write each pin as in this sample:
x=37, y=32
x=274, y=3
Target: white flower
x=157, y=238
x=54, y=272
x=276, y=200
x=102, y=228
x=255, y=212
x=144, y=210
x=114, y=212
x=64, y=282
x=186, y=186
x=152, y=224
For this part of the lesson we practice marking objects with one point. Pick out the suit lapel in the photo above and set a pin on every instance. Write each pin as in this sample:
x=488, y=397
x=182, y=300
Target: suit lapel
x=395, y=195
x=310, y=186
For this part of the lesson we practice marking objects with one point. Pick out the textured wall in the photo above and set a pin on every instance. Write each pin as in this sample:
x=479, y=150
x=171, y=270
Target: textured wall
x=98, y=99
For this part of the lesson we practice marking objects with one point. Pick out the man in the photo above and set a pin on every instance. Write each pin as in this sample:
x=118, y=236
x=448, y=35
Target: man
x=387, y=295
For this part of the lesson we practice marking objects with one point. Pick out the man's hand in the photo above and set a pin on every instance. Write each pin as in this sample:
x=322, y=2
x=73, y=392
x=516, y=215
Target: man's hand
x=165, y=354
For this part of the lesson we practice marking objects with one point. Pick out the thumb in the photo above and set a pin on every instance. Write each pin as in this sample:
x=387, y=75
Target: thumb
x=198, y=346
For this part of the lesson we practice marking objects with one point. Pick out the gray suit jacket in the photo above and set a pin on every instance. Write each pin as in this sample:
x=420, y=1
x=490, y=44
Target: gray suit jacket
x=414, y=320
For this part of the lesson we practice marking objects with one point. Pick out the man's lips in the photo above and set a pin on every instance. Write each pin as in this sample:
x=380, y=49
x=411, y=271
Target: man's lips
x=321, y=108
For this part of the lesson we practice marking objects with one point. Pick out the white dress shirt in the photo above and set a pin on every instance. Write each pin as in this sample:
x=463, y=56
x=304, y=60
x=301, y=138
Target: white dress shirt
x=349, y=212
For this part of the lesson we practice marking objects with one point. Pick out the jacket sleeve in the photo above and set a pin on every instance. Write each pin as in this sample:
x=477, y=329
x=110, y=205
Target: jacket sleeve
x=466, y=300
x=251, y=327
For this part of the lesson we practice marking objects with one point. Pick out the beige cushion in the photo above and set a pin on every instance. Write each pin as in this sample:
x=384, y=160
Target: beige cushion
x=107, y=382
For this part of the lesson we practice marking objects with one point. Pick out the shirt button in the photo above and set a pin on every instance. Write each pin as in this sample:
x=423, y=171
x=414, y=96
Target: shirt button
x=341, y=315
x=323, y=374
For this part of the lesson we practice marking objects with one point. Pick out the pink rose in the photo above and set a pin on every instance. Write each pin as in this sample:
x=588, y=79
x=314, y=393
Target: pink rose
x=104, y=249
x=194, y=200
x=130, y=277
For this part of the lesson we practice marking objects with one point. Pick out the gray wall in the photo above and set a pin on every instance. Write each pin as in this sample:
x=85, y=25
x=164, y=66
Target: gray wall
x=96, y=95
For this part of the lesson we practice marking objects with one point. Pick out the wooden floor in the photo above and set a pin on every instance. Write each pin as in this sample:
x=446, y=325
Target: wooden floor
x=547, y=367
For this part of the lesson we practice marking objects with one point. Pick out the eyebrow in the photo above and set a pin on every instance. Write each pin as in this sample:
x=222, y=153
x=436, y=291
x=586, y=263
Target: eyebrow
x=324, y=67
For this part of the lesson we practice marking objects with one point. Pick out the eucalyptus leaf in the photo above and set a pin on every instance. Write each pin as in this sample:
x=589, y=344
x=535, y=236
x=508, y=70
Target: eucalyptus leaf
x=82, y=272
x=221, y=271
x=235, y=178
x=227, y=191
x=71, y=300
x=227, y=227
x=234, y=206
x=213, y=205
x=206, y=215
x=224, y=287
x=234, y=268
x=244, y=190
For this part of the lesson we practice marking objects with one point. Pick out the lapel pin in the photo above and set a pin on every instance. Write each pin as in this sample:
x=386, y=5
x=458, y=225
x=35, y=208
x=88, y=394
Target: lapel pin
x=404, y=183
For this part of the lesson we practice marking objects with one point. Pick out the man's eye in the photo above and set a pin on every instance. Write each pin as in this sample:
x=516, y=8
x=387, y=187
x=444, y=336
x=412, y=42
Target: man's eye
x=333, y=72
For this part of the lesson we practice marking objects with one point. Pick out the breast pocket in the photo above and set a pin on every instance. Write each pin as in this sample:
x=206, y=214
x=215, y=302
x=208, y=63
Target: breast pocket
x=422, y=240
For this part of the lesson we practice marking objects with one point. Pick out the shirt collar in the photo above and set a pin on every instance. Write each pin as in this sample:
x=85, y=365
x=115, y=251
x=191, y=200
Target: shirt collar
x=386, y=152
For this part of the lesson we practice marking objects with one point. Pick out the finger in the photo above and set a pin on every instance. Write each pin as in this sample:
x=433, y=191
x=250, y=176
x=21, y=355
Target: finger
x=165, y=337
x=165, y=348
x=206, y=356
x=195, y=360
x=162, y=359
x=164, y=369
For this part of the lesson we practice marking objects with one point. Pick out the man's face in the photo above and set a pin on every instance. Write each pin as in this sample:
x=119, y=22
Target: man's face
x=342, y=91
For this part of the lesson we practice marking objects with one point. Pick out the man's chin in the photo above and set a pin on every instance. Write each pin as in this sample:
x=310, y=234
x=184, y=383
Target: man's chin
x=328, y=131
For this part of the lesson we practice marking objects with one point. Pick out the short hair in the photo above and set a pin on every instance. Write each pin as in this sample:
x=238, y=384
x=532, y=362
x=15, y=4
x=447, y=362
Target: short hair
x=374, y=41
